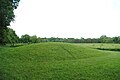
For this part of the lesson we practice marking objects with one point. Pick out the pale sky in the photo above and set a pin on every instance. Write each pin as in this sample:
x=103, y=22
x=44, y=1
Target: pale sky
x=68, y=18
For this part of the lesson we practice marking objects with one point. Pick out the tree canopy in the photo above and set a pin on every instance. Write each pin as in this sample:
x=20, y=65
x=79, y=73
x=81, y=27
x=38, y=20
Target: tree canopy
x=6, y=16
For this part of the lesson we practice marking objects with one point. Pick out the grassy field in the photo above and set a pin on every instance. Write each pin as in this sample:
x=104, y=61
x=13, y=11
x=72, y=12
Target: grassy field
x=60, y=61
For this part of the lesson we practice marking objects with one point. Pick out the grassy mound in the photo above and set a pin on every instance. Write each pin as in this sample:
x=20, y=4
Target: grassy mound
x=58, y=61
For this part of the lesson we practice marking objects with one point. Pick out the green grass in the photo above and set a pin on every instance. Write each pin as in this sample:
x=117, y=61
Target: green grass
x=60, y=61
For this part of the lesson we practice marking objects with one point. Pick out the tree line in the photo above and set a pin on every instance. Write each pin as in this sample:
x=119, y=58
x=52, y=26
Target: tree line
x=34, y=39
x=12, y=38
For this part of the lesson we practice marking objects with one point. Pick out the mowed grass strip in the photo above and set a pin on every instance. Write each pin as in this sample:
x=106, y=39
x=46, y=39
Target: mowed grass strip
x=58, y=61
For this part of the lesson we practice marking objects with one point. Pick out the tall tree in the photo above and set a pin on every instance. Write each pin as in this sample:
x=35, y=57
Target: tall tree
x=6, y=16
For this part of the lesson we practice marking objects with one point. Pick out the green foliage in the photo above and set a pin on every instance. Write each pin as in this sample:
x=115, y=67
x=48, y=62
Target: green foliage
x=39, y=40
x=12, y=38
x=2, y=36
x=116, y=39
x=53, y=39
x=59, y=61
x=34, y=39
x=25, y=38
x=7, y=11
x=6, y=16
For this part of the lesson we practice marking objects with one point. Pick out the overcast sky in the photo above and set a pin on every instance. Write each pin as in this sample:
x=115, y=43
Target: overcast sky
x=68, y=18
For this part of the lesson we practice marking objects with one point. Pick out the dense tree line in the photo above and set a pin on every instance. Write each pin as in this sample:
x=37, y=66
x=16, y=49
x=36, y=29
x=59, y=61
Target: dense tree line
x=34, y=39
x=12, y=38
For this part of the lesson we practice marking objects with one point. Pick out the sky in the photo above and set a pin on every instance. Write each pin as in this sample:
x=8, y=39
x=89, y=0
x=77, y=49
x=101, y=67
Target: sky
x=68, y=18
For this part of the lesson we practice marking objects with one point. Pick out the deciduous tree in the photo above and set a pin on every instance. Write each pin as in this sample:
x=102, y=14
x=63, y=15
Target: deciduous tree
x=6, y=16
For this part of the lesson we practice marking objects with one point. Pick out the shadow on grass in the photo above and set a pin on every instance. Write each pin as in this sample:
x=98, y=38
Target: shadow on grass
x=108, y=49
x=5, y=76
x=2, y=75
x=16, y=45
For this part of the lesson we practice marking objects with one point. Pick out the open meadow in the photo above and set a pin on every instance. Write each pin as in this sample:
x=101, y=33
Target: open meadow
x=60, y=61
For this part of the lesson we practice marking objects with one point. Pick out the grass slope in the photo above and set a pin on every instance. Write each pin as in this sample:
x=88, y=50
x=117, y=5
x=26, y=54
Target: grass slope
x=58, y=61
